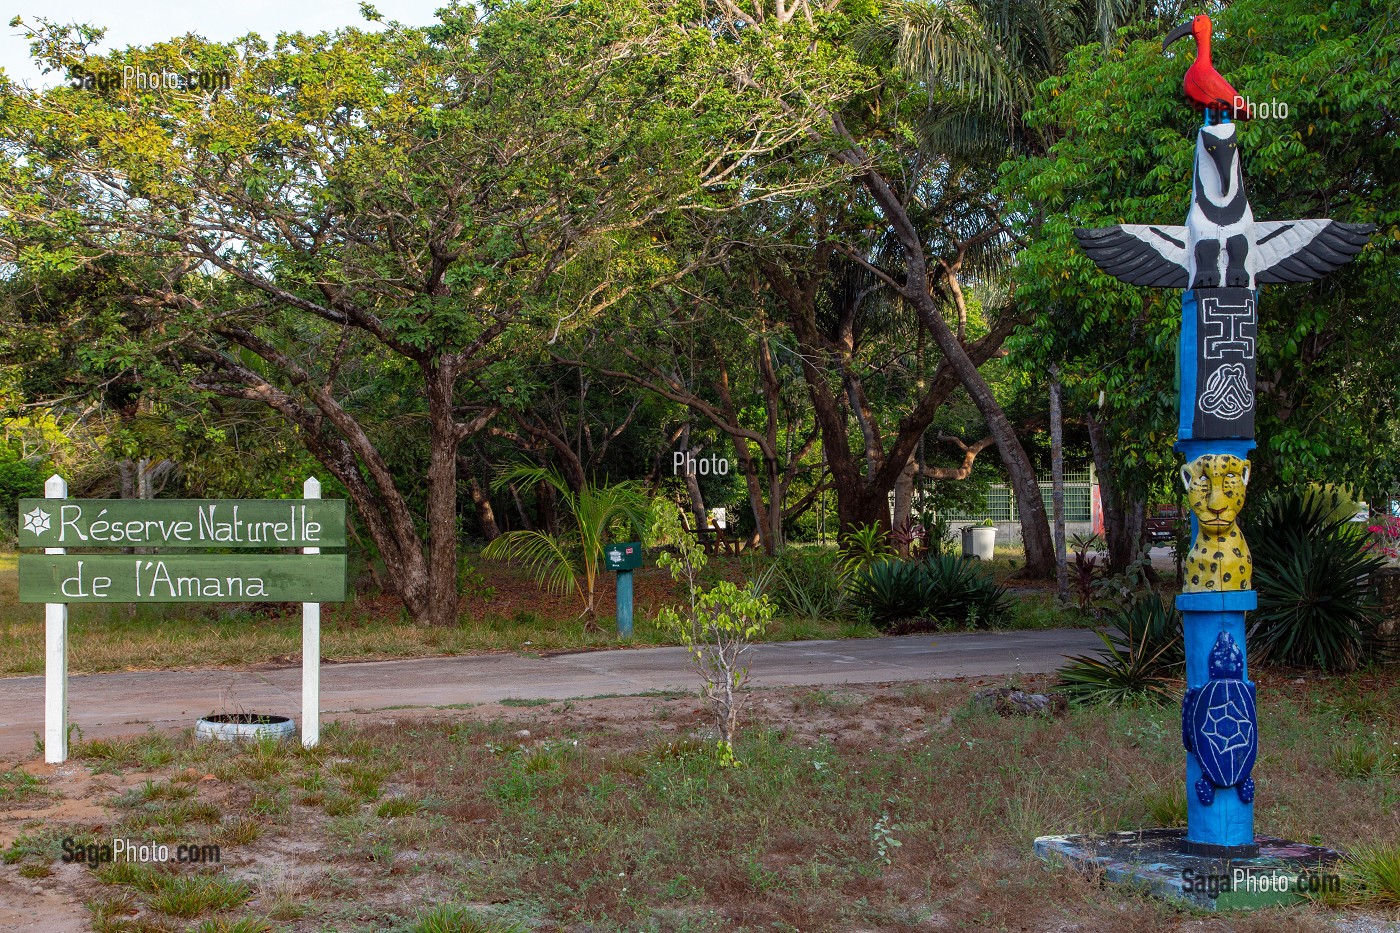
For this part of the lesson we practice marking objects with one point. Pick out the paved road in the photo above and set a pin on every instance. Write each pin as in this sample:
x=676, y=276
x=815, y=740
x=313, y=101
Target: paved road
x=116, y=704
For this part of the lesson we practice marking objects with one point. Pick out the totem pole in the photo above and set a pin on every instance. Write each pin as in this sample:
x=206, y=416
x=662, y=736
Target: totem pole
x=1219, y=257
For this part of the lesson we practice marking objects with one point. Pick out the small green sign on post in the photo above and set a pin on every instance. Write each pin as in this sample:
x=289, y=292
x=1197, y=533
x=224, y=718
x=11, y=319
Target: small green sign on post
x=57, y=578
x=623, y=558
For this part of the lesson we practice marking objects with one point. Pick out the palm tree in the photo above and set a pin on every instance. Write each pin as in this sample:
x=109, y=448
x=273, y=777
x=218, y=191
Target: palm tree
x=981, y=60
x=559, y=561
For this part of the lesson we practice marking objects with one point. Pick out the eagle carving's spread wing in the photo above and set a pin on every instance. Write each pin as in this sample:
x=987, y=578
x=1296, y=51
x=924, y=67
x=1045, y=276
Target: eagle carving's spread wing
x=1304, y=250
x=1139, y=254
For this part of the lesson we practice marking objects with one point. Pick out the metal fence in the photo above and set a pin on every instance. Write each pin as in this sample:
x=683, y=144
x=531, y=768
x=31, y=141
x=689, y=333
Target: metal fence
x=1001, y=502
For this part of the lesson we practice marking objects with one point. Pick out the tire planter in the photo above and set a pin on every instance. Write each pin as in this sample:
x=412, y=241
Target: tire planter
x=232, y=727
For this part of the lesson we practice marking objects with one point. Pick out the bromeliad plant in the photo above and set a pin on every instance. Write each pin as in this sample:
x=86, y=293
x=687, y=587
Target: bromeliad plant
x=1084, y=570
x=560, y=562
x=864, y=545
x=717, y=628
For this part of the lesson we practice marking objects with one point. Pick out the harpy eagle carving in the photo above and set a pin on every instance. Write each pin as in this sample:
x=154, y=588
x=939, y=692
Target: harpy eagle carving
x=1221, y=245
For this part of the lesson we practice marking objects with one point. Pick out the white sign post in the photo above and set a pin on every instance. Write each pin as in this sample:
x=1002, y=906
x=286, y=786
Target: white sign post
x=311, y=648
x=55, y=657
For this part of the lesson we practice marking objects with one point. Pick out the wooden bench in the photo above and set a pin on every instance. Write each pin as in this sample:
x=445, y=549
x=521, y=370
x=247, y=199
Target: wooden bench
x=712, y=538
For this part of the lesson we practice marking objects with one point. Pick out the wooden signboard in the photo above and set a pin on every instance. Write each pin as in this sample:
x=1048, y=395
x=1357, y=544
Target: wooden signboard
x=57, y=578
x=186, y=523
x=182, y=578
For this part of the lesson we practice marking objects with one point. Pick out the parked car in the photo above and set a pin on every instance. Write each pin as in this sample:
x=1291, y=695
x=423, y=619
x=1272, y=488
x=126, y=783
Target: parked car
x=1163, y=522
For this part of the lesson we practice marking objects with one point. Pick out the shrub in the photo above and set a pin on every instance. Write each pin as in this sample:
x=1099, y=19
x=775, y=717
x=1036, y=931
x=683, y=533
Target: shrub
x=911, y=596
x=864, y=545
x=807, y=583
x=717, y=628
x=1316, y=608
x=889, y=591
x=1142, y=661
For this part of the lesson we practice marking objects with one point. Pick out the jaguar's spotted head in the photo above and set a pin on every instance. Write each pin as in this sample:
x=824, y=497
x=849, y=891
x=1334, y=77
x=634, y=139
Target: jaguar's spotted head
x=1215, y=489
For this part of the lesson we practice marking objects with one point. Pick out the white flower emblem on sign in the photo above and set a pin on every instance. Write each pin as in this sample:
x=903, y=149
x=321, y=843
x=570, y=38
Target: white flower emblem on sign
x=615, y=556
x=36, y=522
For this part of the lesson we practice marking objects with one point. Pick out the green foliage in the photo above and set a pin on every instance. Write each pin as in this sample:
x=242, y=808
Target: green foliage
x=807, y=583
x=451, y=918
x=18, y=480
x=596, y=514
x=1121, y=148
x=717, y=628
x=1140, y=661
x=863, y=545
x=1374, y=871
x=1316, y=607
x=911, y=596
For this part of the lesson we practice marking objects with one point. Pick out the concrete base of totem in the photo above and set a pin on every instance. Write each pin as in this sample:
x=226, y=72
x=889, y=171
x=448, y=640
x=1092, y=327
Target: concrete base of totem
x=1156, y=860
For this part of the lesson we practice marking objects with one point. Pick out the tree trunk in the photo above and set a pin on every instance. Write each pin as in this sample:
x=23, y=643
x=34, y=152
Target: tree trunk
x=904, y=495
x=441, y=602
x=1057, y=479
x=485, y=513
x=1035, y=527
x=1118, y=535
x=692, y=485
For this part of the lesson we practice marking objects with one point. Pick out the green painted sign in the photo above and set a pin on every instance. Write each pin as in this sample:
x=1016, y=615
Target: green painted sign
x=221, y=523
x=181, y=578
x=624, y=556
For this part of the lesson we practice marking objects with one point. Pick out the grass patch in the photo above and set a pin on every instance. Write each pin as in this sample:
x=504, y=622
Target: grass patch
x=1374, y=874
x=188, y=896
x=1166, y=805
x=241, y=925
x=849, y=806
x=450, y=918
x=511, y=701
x=396, y=807
x=17, y=786
x=241, y=831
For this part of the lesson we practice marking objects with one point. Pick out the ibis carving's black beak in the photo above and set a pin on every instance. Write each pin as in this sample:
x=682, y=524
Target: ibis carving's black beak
x=1180, y=32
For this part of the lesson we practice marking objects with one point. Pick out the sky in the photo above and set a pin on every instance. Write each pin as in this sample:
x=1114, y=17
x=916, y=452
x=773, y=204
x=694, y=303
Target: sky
x=140, y=22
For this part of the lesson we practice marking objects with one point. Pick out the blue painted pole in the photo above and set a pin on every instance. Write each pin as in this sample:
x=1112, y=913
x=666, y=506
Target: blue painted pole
x=1228, y=821
x=624, y=603
x=1226, y=825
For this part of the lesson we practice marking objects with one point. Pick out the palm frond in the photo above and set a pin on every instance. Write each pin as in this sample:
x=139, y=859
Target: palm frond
x=954, y=46
x=531, y=475
x=546, y=556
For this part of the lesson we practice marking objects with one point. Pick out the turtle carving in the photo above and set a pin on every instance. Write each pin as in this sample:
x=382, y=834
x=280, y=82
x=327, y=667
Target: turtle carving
x=1218, y=724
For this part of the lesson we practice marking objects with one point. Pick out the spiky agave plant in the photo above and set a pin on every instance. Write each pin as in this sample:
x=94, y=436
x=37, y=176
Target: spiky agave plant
x=1311, y=568
x=560, y=562
x=1142, y=660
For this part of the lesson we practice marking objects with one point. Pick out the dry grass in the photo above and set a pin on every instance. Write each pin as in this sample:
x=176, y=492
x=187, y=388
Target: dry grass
x=514, y=616
x=897, y=809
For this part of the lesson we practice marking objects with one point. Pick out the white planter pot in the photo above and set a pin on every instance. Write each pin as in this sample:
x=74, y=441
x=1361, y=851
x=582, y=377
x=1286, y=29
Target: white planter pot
x=231, y=727
x=980, y=541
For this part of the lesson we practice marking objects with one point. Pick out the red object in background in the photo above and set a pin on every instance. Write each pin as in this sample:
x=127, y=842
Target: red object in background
x=1205, y=87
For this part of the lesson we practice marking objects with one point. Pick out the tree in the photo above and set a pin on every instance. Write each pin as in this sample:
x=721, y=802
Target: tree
x=1121, y=153
x=394, y=213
